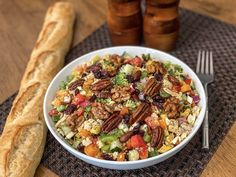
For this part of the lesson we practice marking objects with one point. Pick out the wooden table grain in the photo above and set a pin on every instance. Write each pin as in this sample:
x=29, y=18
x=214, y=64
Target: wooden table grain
x=21, y=21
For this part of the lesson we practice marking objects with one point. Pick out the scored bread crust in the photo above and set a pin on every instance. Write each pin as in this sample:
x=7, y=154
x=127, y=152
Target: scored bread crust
x=24, y=135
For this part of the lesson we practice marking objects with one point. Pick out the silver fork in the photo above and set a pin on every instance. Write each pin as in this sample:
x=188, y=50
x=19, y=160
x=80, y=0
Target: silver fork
x=205, y=73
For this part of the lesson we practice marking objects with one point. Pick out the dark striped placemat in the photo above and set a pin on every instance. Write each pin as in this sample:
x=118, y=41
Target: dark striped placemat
x=197, y=33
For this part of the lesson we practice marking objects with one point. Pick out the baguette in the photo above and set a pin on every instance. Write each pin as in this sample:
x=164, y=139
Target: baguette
x=24, y=135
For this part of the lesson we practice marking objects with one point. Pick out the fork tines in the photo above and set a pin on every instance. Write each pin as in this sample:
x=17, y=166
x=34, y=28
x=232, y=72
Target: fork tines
x=205, y=62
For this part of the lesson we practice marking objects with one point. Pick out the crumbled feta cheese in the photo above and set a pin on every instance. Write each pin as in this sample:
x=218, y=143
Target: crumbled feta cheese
x=115, y=154
x=191, y=119
x=123, y=126
x=86, y=141
x=67, y=99
x=189, y=99
x=99, y=143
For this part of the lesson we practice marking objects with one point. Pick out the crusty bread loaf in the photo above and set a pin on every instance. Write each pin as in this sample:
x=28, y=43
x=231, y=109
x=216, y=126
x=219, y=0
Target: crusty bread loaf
x=23, y=138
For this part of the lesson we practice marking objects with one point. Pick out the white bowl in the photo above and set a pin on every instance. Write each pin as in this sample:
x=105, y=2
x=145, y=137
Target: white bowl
x=119, y=50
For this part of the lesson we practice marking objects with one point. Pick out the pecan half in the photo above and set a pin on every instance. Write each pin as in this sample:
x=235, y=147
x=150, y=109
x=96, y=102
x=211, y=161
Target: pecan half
x=141, y=112
x=75, y=84
x=101, y=84
x=157, y=137
x=111, y=123
x=126, y=136
x=152, y=87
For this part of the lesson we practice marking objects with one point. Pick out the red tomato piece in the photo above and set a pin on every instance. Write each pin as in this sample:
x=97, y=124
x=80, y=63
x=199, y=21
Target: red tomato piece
x=187, y=81
x=176, y=88
x=78, y=99
x=136, y=61
x=53, y=112
x=143, y=152
x=137, y=141
x=84, y=103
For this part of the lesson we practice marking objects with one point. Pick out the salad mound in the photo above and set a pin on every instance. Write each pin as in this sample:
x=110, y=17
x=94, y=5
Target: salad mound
x=125, y=108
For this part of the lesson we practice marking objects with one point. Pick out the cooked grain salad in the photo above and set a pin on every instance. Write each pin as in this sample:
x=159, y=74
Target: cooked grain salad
x=125, y=108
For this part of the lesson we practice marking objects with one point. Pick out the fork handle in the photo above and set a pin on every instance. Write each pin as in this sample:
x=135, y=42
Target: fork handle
x=205, y=129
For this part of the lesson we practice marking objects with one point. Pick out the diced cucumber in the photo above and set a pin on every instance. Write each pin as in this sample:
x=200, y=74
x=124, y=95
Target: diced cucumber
x=61, y=108
x=65, y=129
x=56, y=118
x=147, y=138
x=105, y=148
x=163, y=94
x=133, y=155
x=153, y=153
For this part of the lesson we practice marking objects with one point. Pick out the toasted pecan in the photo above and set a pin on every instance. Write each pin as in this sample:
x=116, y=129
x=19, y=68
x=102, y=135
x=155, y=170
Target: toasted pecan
x=101, y=84
x=111, y=123
x=152, y=87
x=157, y=137
x=141, y=112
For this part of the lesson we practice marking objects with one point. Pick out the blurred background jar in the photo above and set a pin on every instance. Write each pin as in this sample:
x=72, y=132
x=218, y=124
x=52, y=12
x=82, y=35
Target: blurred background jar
x=124, y=20
x=161, y=24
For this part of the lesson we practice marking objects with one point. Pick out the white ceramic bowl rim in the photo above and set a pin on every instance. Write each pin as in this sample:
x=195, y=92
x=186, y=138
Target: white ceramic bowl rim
x=127, y=48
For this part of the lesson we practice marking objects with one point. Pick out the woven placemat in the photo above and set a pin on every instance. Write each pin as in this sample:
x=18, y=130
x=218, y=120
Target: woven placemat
x=197, y=33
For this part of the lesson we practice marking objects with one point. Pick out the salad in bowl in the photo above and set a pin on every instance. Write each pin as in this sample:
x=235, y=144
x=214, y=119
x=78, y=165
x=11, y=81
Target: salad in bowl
x=123, y=107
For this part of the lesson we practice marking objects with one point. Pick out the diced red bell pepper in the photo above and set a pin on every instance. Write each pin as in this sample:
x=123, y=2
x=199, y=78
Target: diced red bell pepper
x=53, y=112
x=78, y=99
x=187, y=81
x=136, y=61
x=176, y=88
x=143, y=152
x=137, y=141
x=84, y=103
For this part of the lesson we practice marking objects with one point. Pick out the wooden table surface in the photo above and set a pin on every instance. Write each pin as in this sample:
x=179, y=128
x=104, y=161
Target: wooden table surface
x=21, y=21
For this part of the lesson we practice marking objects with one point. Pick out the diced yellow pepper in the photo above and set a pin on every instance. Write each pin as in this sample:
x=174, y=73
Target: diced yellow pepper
x=185, y=88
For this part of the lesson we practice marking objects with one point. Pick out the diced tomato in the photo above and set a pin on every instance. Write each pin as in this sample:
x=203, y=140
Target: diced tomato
x=84, y=103
x=78, y=99
x=176, y=88
x=137, y=141
x=143, y=152
x=187, y=81
x=53, y=112
x=152, y=122
x=191, y=93
x=136, y=61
